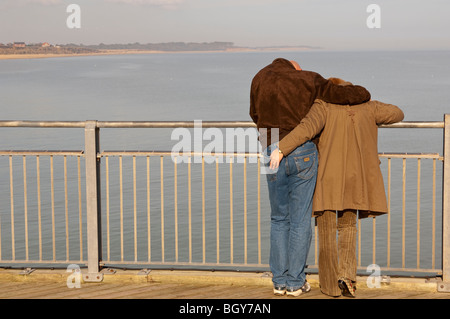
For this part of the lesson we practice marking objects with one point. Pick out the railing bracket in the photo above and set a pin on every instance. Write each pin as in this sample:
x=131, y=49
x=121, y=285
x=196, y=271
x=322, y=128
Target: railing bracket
x=108, y=271
x=98, y=277
x=27, y=271
x=144, y=272
x=385, y=280
x=443, y=286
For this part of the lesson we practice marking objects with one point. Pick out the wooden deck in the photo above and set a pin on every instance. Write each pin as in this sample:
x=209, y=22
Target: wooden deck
x=52, y=284
x=53, y=290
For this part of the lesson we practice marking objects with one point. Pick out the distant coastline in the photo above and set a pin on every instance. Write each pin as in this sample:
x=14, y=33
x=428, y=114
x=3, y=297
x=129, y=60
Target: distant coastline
x=35, y=51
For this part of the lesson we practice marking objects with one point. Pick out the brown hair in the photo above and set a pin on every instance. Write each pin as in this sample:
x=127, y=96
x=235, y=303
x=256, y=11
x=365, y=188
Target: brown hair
x=338, y=81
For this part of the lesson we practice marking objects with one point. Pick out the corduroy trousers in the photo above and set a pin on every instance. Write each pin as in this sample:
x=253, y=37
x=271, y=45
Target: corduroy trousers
x=337, y=258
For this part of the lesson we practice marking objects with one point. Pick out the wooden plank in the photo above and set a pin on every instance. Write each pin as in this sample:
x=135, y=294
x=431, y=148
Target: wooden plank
x=146, y=291
x=86, y=291
x=34, y=290
x=7, y=290
x=138, y=291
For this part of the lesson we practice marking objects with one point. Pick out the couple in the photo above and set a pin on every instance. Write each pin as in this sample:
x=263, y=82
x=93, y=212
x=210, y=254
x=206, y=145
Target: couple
x=337, y=120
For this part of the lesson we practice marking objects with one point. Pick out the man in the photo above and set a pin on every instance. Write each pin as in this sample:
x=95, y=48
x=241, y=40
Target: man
x=281, y=96
x=349, y=179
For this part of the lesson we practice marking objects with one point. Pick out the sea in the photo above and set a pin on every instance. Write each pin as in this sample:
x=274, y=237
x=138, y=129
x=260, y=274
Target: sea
x=205, y=87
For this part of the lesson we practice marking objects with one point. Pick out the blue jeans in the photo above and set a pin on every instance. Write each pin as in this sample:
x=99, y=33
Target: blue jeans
x=291, y=190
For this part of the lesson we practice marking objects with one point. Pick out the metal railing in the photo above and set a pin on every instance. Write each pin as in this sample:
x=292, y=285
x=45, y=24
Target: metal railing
x=142, y=208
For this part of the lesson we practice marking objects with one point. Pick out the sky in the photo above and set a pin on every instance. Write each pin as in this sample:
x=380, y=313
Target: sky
x=328, y=24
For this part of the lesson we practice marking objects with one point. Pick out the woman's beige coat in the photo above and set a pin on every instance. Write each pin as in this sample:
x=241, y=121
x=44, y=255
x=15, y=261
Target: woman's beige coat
x=349, y=175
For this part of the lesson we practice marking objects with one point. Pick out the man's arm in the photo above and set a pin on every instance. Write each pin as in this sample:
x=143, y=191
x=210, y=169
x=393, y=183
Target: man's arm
x=338, y=94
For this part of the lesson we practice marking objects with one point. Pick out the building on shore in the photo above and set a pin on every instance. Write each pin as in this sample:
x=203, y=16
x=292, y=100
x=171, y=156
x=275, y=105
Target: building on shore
x=19, y=45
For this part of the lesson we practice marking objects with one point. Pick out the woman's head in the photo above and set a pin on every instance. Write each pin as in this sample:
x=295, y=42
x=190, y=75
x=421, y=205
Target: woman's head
x=338, y=81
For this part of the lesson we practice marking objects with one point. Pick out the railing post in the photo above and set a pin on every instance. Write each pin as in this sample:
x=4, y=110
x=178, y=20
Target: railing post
x=93, y=201
x=444, y=286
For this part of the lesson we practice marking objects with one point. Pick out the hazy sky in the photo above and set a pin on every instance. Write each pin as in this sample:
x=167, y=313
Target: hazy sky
x=330, y=24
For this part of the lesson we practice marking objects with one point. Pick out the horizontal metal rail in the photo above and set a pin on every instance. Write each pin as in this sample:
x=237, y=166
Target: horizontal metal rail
x=48, y=124
x=184, y=124
x=41, y=153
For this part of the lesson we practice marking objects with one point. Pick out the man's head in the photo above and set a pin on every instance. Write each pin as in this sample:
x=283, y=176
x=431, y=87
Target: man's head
x=296, y=65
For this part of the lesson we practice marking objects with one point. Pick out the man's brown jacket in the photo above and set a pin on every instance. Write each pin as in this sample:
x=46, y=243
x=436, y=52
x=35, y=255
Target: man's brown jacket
x=281, y=96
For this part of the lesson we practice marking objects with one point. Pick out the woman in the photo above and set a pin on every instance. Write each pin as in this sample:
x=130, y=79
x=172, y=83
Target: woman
x=349, y=180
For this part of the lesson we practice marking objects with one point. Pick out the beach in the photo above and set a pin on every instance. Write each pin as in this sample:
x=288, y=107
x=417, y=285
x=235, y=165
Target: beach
x=122, y=52
x=54, y=55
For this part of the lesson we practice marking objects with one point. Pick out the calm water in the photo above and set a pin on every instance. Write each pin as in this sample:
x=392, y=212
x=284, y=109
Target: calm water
x=213, y=86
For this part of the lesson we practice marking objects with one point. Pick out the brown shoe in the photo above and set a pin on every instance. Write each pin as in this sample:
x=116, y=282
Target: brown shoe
x=348, y=288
